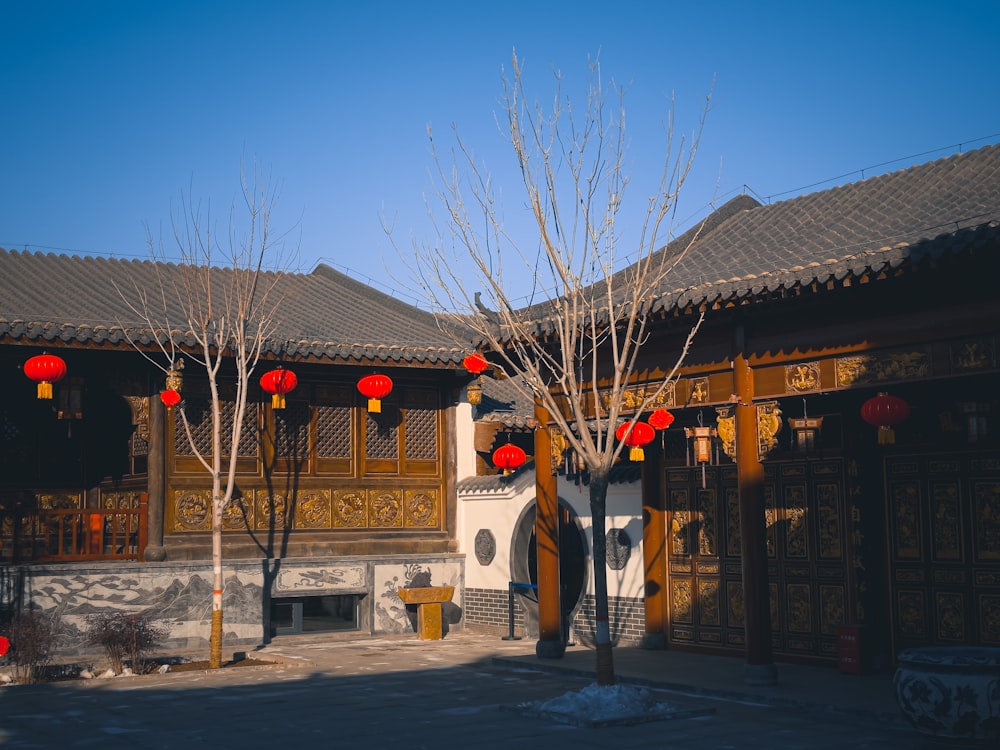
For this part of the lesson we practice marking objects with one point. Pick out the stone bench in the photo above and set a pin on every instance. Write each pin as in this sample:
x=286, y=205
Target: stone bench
x=428, y=600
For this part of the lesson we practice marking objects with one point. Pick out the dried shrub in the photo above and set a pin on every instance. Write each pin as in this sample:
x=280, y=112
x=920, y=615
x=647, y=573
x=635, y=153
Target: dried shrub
x=126, y=638
x=32, y=636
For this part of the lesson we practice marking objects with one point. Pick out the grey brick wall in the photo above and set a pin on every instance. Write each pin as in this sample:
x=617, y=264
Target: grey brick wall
x=487, y=610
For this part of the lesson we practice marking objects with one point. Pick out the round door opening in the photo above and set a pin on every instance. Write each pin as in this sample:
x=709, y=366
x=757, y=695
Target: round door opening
x=573, y=571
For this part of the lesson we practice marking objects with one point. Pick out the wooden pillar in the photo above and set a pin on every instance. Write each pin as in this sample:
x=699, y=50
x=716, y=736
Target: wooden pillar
x=156, y=479
x=759, y=668
x=550, y=643
x=654, y=550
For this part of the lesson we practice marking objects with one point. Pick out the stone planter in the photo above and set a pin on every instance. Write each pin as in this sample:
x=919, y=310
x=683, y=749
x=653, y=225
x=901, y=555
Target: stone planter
x=951, y=691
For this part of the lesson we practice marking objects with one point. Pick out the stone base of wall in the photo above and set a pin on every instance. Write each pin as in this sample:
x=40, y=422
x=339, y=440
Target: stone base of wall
x=627, y=618
x=489, y=608
x=178, y=595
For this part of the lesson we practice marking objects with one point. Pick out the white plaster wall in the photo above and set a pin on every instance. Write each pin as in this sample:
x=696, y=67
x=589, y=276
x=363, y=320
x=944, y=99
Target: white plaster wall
x=464, y=435
x=624, y=511
x=500, y=510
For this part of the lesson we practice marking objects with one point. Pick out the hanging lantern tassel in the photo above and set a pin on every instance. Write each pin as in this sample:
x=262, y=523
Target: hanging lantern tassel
x=170, y=398
x=375, y=388
x=635, y=436
x=509, y=458
x=45, y=369
x=885, y=412
x=278, y=382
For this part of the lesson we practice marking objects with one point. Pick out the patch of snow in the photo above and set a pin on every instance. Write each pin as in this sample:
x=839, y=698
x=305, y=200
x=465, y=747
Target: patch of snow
x=600, y=702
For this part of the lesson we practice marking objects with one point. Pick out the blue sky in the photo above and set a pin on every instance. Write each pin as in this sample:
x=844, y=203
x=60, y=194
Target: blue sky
x=112, y=110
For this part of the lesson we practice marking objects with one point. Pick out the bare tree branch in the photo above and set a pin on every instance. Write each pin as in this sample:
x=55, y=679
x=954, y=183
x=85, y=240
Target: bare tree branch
x=577, y=348
x=229, y=312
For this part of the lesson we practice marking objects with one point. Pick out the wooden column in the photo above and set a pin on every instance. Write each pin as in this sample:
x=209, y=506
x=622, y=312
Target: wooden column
x=156, y=479
x=550, y=643
x=654, y=549
x=759, y=668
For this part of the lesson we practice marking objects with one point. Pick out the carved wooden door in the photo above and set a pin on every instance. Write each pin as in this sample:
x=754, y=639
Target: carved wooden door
x=943, y=518
x=807, y=548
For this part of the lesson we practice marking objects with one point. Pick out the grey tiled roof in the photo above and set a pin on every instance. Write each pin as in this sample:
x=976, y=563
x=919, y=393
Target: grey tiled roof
x=944, y=206
x=505, y=403
x=323, y=314
x=746, y=250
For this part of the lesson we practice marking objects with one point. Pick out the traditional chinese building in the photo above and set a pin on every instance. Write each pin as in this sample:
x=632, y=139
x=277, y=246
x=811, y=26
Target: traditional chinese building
x=833, y=470
x=337, y=505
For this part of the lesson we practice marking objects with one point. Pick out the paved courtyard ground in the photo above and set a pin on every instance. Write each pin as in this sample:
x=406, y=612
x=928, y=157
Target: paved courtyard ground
x=398, y=693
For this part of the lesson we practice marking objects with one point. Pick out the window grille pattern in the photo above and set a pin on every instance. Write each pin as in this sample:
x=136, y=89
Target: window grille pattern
x=333, y=431
x=138, y=446
x=381, y=438
x=8, y=429
x=291, y=428
x=199, y=415
x=421, y=434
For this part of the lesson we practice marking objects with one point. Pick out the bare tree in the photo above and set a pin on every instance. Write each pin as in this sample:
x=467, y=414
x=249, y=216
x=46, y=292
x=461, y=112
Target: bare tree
x=593, y=317
x=217, y=308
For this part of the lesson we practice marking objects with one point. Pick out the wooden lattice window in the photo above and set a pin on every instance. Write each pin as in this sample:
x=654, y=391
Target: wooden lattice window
x=381, y=436
x=199, y=415
x=421, y=434
x=333, y=431
x=291, y=428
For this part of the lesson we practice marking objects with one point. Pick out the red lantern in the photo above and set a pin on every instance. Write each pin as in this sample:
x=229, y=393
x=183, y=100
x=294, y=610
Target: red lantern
x=45, y=369
x=375, y=388
x=885, y=412
x=278, y=382
x=170, y=398
x=661, y=419
x=635, y=436
x=475, y=363
x=509, y=457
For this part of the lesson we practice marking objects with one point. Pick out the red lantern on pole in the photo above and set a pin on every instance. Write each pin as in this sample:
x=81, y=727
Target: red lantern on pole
x=475, y=363
x=509, y=458
x=375, y=388
x=278, y=382
x=885, y=412
x=661, y=419
x=45, y=369
x=170, y=398
x=635, y=436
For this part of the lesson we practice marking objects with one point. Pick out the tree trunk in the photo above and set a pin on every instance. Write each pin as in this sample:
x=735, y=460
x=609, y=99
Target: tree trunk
x=602, y=626
x=215, y=638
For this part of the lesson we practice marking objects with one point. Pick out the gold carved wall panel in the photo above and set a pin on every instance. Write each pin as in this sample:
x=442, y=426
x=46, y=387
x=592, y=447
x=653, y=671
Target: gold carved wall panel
x=798, y=600
x=708, y=602
x=989, y=613
x=943, y=519
x=986, y=507
x=828, y=505
x=832, y=609
x=802, y=377
x=315, y=509
x=864, y=369
x=421, y=509
x=349, y=509
x=385, y=509
x=192, y=510
x=680, y=600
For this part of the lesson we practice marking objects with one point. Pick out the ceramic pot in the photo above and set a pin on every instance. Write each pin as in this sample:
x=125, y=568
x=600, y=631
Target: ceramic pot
x=951, y=691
